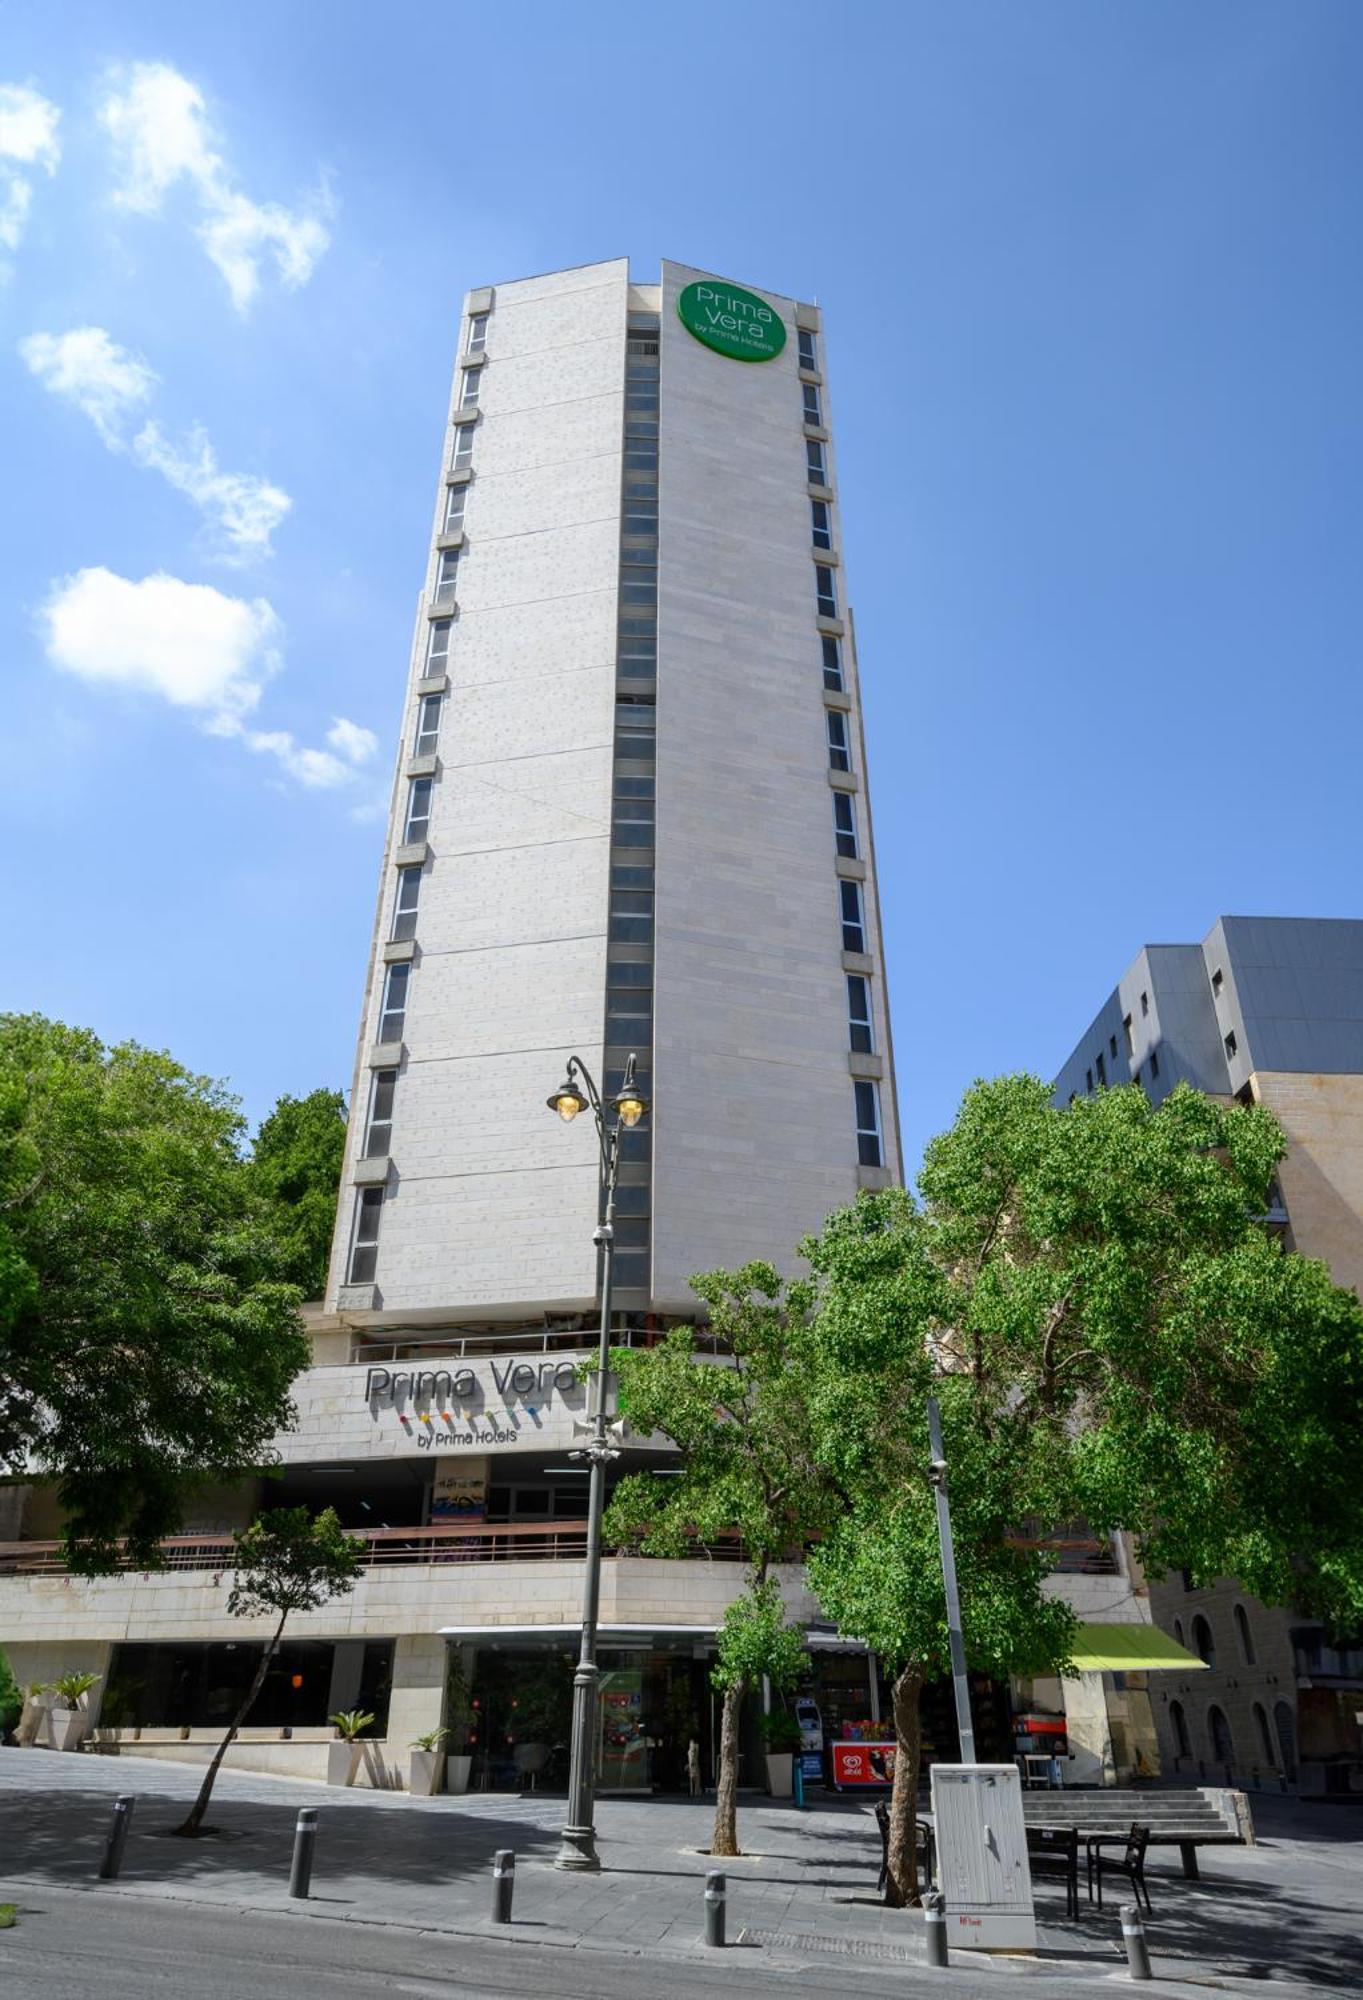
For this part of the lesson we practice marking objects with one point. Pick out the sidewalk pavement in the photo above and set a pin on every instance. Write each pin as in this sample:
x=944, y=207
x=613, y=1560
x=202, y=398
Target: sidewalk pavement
x=1288, y=1910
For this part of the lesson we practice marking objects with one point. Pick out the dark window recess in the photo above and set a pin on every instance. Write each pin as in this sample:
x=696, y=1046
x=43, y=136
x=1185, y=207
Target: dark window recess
x=1127, y=1036
x=1145, y=1003
x=839, y=751
x=1154, y=1064
x=1218, y=981
x=809, y=396
x=418, y=811
x=405, y=903
x=845, y=825
x=364, y=1243
x=631, y=1270
x=394, y=1010
x=859, y=1024
x=1232, y=1045
x=853, y=920
x=1101, y=1067
x=815, y=465
x=832, y=661
x=378, y=1135
x=428, y=724
x=1112, y=1047
x=187, y=1686
x=825, y=591
x=870, y=1152
x=807, y=350
x=1088, y=1081
x=821, y=525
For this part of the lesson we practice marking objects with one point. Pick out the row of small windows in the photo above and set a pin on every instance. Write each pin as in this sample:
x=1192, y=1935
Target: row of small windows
x=1280, y=1755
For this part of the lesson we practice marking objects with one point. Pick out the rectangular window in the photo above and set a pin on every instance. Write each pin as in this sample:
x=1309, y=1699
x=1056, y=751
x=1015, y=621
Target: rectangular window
x=631, y=911
x=809, y=353
x=1145, y=1003
x=1154, y=1064
x=635, y=724
x=845, y=825
x=1112, y=1047
x=633, y=821
x=821, y=524
x=364, y=1241
x=456, y=496
x=1218, y=981
x=438, y=648
x=1128, y=1038
x=813, y=413
x=418, y=823
x=629, y=1006
x=427, y=725
x=462, y=456
x=832, y=661
x=839, y=754
x=477, y=341
x=870, y=1152
x=378, y=1132
x=404, y=909
x=393, y=1014
x=1101, y=1067
x=1231, y=1045
x=859, y=1028
x=446, y=577
x=473, y=382
x=638, y=659
x=815, y=467
x=853, y=917
x=825, y=591
x=638, y=578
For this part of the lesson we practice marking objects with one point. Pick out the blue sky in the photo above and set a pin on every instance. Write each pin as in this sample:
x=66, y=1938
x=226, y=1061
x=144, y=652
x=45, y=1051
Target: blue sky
x=1095, y=318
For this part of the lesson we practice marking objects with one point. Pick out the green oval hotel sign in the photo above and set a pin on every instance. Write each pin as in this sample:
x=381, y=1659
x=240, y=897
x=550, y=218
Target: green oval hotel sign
x=731, y=321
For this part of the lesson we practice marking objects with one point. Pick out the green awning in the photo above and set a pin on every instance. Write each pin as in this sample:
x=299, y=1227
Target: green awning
x=1131, y=1649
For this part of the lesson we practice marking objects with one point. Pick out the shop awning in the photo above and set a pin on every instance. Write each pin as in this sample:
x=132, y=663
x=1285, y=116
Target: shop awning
x=1131, y=1649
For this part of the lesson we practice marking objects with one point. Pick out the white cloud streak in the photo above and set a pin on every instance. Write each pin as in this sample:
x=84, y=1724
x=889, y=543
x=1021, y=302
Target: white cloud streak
x=158, y=122
x=28, y=139
x=193, y=646
x=88, y=369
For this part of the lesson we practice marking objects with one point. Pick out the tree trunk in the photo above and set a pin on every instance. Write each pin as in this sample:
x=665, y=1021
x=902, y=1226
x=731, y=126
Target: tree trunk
x=190, y=1829
x=724, y=1840
x=901, y=1880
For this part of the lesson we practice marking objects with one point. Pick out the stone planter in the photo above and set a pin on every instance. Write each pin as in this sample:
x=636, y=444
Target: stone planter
x=425, y=1773
x=35, y=1723
x=343, y=1761
x=458, y=1766
x=69, y=1727
x=781, y=1773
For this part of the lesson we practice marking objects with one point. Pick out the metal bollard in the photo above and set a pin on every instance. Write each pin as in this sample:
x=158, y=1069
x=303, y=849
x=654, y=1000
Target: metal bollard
x=503, y=1884
x=716, y=1893
x=799, y=1781
x=304, y=1840
x=116, y=1839
x=935, y=1926
x=1133, y=1937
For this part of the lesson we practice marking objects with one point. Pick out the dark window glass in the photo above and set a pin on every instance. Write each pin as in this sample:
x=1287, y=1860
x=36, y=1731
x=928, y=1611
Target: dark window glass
x=839, y=754
x=832, y=661
x=810, y=397
x=394, y=1010
x=869, y=1151
x=428, y=724
x=418, y=810
x=379, y=1131
x=405, y=905
x=853, y=921
x=821, y=525
x=825, y=591
x=632, y=1200
x=364, y=1244
x=814, y=462
x=845, y=824
x=859, y=1014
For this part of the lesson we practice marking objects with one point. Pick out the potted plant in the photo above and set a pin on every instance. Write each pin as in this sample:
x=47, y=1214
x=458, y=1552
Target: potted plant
x=70, y=1717
x=459, y=1717
x=35, y=1722
x=781, y=1733
x=343, y=1758
x=427, y=1769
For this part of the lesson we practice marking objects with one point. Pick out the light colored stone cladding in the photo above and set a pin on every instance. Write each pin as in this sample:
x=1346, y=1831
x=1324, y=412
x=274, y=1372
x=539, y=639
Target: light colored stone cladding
x=491, y=1206
x=1236, y=1683
x=754, y=1128
x=1322, y=1174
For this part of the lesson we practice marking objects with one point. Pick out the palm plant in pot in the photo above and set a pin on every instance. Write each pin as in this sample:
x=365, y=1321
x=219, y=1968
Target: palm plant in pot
x=343, y=1758
x=70, y=1717
x=781, y=1733
x=460, y=1718
x=426, y=1772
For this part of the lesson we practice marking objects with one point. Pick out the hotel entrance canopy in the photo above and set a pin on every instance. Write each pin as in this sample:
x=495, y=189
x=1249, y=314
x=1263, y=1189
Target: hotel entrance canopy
x=1131, y=1649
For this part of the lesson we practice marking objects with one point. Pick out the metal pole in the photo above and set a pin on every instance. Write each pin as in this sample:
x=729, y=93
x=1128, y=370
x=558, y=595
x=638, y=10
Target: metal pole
x=503, y=1884
x=304, y=1840
x=1133, y=1937
x=935, y=1927
x=961, y=1685
x=716, y=1894
x=116, y=1839
x=577, y=1843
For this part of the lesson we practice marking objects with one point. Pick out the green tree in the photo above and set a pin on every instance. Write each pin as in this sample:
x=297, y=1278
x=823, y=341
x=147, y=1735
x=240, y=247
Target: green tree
x=1113, y=1335
x=147, y=1332
x=285, y=1561
x=744, y=1434
x=11, y=1699
x=296, y=1164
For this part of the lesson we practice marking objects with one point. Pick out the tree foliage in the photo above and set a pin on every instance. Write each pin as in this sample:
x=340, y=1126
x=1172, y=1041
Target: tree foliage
x=296, y=1164
x=147, y=1331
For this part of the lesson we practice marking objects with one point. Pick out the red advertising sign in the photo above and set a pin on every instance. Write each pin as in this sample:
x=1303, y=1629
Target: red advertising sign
x=863, y=1763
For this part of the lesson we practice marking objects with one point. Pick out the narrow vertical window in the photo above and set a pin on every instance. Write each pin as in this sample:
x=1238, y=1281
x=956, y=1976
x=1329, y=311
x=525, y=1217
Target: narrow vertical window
x=816, y=468
x=825, y=591
x=860, y=1033
x=870, y=1151
x=438, y=648
x=813, y=412
x=845, y=824
x=418, y=822
x=839, y=754
x=364, y=1241
x=821, y=525
x=809, y=353
x=477, y=340
x=427, y=724
x=446, y=578
x=473, y=382
x=455, y=501
x=832, y=661
x=378, y=1131
x=853, y=917
x=462, y=456
x=404, y=908
x=393, y=1013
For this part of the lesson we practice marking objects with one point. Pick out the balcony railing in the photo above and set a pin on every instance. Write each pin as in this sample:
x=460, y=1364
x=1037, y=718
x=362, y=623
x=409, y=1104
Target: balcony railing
x=555, y=1541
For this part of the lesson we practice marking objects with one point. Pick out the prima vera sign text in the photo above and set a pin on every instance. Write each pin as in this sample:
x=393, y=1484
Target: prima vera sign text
x=731, y=321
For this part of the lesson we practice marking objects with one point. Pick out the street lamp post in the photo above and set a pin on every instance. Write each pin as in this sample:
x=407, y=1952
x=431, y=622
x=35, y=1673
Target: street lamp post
x=577, y=1845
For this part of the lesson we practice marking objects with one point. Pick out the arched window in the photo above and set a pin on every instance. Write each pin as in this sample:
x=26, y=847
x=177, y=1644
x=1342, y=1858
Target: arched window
x=1242, y=1633
x=1285, y=1722
x=1218, y=1729
x=1203, y=1643
x=1180, y=1727
x=1265, y=1735
x=1178, y=1632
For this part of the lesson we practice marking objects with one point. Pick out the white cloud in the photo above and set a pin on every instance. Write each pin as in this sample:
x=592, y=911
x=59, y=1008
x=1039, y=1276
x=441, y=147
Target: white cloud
x=107, y=383
x=28, y=138
x=200, y=650
x=159, y=124
x=90, y=370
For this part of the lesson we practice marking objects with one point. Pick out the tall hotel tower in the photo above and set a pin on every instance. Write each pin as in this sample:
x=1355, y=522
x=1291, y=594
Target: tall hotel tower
x=630, y=815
